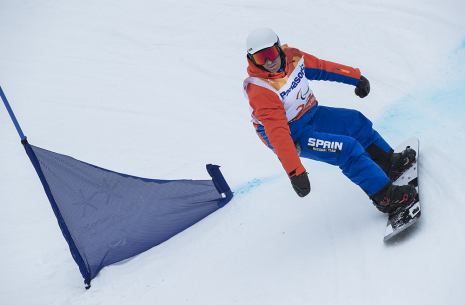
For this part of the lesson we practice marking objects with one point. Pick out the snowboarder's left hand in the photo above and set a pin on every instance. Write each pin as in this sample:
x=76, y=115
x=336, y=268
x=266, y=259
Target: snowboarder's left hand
x=363, y=87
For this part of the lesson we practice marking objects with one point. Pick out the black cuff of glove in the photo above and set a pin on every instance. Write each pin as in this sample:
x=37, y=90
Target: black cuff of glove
x=301, y=184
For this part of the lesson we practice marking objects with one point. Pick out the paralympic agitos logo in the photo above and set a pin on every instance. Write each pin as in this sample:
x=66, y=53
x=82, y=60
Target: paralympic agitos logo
x=295, y=82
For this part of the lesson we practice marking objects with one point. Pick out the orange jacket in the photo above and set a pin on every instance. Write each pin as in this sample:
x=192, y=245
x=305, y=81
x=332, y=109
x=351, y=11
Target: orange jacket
x=268, y=108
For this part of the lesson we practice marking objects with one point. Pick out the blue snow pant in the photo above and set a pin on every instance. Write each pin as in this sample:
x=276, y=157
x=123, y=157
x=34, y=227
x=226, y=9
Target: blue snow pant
x=340, y=137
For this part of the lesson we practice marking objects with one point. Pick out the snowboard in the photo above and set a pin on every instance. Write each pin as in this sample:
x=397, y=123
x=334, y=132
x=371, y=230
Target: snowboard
x=399, y=221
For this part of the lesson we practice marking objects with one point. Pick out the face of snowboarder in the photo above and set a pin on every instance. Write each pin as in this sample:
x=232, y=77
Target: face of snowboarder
x=268, y=58
x=273, y=65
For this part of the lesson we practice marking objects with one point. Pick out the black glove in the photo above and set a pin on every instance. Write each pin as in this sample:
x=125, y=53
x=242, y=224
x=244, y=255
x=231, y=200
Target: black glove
x=301, y=184
x=363, y=87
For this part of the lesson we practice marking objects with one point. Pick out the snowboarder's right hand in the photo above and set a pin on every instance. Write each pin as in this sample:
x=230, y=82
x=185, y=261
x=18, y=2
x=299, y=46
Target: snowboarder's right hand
x=301, y=184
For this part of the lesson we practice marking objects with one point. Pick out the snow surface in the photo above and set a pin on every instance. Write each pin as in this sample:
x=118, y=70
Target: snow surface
x=154, y=89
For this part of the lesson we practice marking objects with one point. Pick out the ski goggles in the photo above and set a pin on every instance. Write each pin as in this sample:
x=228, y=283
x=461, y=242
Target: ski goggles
x=271, y=53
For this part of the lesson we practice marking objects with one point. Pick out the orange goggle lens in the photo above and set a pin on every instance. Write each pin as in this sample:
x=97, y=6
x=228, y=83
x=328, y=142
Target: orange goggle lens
x=270, y=53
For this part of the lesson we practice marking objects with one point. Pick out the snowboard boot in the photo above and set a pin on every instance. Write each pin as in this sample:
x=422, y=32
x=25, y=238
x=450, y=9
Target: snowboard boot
x=400, y=162
x=393, y=198
x=393, y=164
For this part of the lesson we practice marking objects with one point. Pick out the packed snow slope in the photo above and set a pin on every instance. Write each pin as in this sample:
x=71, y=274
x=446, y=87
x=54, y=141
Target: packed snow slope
x=154, y=89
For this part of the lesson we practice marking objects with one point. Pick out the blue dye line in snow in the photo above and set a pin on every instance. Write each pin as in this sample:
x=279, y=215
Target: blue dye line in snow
x=247, y=187
x=427, y=109
x=462, y=46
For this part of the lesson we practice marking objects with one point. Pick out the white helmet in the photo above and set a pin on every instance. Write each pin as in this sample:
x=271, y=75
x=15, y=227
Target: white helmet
x=261, y=39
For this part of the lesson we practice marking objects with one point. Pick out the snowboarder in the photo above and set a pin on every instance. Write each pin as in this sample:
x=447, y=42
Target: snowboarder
x=289, y=120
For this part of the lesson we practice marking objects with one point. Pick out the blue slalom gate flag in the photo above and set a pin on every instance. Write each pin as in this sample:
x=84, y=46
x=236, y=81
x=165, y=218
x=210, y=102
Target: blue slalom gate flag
x=107, y=217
